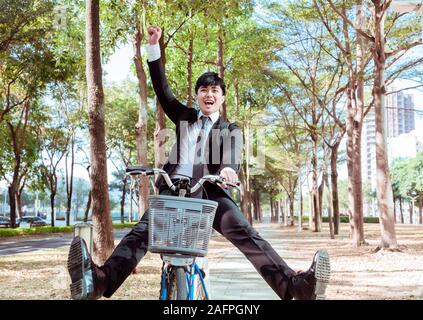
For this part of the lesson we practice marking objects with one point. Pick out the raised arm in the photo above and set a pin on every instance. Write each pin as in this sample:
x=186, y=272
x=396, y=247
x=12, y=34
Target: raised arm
x=171, y=106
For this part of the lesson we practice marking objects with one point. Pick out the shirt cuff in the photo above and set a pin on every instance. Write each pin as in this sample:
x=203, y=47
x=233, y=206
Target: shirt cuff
x=153, y=52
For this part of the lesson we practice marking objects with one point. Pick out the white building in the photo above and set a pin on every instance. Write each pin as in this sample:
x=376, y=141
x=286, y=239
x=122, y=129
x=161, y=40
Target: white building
x=368, y=149
x=399, y=116
x=406, y=145
x=399, y=113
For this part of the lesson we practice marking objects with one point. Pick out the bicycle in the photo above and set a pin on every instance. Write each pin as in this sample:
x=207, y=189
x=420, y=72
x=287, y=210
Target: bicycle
x=179, y=230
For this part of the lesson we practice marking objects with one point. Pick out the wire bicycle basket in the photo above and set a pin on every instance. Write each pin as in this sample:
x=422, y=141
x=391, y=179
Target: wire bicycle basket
x=180, y=225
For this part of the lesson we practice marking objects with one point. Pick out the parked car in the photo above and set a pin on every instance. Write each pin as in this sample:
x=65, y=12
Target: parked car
x=5, y=222
x=42, y=215
x=32, y=221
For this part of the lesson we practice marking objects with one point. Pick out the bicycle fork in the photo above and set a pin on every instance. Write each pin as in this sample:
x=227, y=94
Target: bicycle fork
x=195, y=269
x=191, y=269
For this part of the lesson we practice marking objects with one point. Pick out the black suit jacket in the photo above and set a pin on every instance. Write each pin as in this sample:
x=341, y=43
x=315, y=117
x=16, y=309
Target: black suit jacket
x=225, y=143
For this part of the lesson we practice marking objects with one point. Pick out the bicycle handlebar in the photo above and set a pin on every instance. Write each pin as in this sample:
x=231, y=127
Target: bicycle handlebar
x=145, y=171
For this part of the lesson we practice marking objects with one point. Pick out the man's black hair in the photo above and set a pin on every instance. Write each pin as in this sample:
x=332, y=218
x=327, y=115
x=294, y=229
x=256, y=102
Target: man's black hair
x=210, y=79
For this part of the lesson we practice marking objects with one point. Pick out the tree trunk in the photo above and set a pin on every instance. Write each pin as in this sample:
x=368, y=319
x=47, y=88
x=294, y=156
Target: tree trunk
x=311, y=211
x=189, y=71
x=247, y=174
x=18, y=135
x=334, y=186
x=321, y=189
x=69, y=180
x=291, y=207
x=421, y=209
x=236, y=96
x=355, y=192
x=395, y=210
x=383, y=181
x=12, y=204
x=329, y=205
x=255, y=211
x=102, y=222
x=358, y=99
x=141, y=126
x=131, y=200
x=411, y=205
x=14, y=185
x=52, y=214
x=357, y=132
x=123, y=197
x=282, y=212
x=259, y=210
x=221, y=64
x=243, y=194
x=301, y=213
x=358, y=237
x=87, y=207
x=354, y=126
x=276, y=205
x=272, y=212
x=401, y=211
x=315, y=191
x=350, y=169
x=246, y=197
x=287, y=204
x=18, y=204
x=256, y=200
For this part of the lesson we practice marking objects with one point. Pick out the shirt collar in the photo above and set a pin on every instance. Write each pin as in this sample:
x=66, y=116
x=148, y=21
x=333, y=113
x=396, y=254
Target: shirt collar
x=213, y=117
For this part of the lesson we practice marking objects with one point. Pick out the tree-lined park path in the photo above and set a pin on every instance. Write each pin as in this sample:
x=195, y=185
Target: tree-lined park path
x=356, y=273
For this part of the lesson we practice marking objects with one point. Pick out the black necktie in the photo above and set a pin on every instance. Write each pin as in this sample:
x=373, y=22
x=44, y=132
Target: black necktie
x=198, y=165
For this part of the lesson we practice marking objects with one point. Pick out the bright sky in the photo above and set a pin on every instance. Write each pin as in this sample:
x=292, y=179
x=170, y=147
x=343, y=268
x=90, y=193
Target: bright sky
x=119, y=64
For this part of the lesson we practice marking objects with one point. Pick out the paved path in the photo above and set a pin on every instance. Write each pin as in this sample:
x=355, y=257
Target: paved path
x=37, y=242
x=232, y=276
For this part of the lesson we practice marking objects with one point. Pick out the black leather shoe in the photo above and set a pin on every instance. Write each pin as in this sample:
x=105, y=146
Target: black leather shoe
x=312, y=284
x=83, y=272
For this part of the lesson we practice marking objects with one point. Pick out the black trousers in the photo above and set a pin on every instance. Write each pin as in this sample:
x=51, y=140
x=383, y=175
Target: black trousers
x=230, y=222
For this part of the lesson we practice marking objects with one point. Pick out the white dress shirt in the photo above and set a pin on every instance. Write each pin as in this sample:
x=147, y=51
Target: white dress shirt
x=188, y=144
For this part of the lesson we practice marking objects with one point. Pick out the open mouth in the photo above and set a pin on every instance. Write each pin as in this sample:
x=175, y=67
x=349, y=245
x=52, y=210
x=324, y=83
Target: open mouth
x=209, y=103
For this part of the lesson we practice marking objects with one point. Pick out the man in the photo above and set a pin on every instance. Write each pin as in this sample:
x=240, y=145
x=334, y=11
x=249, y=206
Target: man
x=220, y=145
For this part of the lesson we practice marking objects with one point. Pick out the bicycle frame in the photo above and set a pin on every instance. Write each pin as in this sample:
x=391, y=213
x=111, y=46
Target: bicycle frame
x=194, y=271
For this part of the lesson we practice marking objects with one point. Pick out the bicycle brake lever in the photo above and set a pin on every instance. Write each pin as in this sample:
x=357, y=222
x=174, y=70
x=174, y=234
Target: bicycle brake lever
x=135, y=170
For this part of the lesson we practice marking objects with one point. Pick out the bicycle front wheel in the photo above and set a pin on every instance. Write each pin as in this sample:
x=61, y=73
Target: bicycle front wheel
x=199, y=291
x=177, y=289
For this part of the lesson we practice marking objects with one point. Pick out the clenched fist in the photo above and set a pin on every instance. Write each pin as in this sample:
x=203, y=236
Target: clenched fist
x=229, y=175
x=154, y=34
